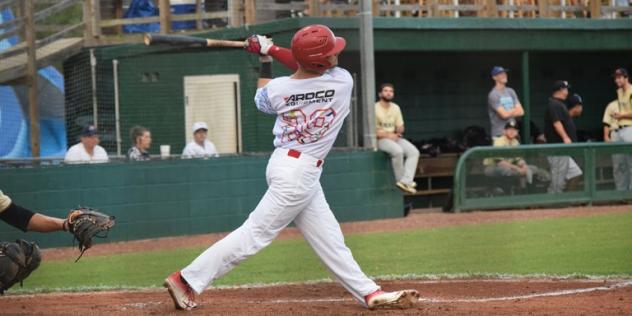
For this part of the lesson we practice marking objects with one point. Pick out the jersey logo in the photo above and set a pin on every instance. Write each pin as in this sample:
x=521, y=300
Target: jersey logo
x=299, y=128
x=303, y=99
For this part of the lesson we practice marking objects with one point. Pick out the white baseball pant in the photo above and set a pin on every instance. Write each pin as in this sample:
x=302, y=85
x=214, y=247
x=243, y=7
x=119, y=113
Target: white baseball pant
x=294, y=194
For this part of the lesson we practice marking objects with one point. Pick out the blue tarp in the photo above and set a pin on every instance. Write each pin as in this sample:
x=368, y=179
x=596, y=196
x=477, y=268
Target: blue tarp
x=141, y=9
x=14, y=125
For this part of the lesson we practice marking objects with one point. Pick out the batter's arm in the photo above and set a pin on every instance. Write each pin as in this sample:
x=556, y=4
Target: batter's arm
x=284, y=56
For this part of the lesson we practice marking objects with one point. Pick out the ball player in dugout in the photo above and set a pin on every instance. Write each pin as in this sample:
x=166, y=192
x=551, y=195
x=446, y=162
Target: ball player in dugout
x=508, y=167
x=560, y=128
x=308, y=120
x=390, y=139
x=200, y=146
x=621, y=128
x=575, y=104
x=620, y=170
x=141, y=138
x=503, y=105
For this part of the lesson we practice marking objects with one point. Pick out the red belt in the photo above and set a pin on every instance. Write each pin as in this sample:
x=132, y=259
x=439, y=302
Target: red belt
x=296, y=154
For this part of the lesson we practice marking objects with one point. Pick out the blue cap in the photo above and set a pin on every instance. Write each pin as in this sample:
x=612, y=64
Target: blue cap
x=498, y=70
x=89, y=130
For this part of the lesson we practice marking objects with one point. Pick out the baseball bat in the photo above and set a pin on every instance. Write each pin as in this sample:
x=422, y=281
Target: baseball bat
x=188, y=41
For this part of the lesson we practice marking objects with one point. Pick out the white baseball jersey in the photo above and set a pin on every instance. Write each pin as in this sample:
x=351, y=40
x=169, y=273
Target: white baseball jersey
x=194, y=150
x=310, y=112
x=78, y=154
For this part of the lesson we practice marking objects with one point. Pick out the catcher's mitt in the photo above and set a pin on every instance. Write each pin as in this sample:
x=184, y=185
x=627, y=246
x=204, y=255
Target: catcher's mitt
x=17, y=260
x=85, y=223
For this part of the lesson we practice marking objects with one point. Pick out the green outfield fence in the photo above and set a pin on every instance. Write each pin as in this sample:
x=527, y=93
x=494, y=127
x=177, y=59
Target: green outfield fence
x=477, y=186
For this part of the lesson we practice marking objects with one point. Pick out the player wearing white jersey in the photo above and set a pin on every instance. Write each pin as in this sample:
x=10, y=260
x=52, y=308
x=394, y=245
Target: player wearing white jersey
x=310, y=107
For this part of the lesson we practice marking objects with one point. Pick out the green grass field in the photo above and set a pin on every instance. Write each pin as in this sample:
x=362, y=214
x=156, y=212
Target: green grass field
x=596, y=245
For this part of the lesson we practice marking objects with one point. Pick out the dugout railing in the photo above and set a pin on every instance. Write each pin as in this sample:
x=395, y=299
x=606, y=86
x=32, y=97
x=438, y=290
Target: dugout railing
x=605, y=169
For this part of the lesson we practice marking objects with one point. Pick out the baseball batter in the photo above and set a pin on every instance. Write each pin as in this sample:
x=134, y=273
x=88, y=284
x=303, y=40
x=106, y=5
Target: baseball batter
x=310, y=107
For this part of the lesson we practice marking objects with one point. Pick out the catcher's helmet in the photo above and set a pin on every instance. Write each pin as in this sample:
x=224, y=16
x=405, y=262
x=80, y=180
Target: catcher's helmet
x=312, y=45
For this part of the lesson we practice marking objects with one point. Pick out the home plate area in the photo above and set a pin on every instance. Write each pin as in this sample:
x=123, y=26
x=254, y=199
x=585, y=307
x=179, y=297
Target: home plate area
x=438, y=297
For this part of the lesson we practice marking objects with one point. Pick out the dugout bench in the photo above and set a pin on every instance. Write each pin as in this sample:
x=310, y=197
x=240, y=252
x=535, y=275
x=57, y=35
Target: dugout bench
x=431, y=170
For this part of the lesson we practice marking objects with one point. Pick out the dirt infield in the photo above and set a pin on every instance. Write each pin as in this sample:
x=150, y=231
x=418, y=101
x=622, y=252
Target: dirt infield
x=439, y=297
x=442, y=297
x=413, y=221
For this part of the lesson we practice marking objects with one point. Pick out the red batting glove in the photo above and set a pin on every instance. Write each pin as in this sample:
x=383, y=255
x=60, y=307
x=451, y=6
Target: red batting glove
x=259, y=45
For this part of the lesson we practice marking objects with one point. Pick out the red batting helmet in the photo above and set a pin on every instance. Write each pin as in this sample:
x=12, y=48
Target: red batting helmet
x=312, y=45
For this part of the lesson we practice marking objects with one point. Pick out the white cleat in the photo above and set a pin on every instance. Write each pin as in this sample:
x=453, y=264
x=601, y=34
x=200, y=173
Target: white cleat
x=182, y=294
x=398, y=299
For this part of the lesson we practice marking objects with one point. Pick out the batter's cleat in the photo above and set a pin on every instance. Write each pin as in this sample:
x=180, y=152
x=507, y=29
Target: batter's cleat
x=399, y=299
x=405, y=187
x=182, y=294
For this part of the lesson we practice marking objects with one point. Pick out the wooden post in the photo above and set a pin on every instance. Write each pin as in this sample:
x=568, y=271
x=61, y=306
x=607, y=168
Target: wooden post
x=543, y=7
x=117, y=13
x=165, y=16
x=234, y=16
x=376, y=8
x=96, y=13
x=433, y=10
x=491, y=8
x=315, y=8
x=595, y=9
x=31, y=75
x=88, y=34
x=198, y=12
x=250, y=11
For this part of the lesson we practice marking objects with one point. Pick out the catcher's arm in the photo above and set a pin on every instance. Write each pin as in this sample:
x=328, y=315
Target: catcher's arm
x=25, y=219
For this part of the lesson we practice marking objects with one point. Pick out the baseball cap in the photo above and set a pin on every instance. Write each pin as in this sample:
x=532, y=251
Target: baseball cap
x=621, y=72
x=574, y=100
x=511, y=124
x=88, y=131
x=199, y=125
x=560, y=84
x=498, y=70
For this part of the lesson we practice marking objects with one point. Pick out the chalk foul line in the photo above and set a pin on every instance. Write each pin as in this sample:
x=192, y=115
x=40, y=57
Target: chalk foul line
x=468, y=300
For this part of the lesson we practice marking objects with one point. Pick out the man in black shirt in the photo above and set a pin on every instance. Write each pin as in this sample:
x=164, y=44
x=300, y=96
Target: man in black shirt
x=559, y=128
